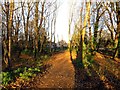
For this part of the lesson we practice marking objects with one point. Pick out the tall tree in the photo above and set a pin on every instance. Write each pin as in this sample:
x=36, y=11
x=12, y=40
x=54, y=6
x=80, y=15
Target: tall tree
x=26, y=20
x=41, y=21
x=89, y=26
x=8, y=41
x=10, y=23
x=36, y=28
x=5, y=35
x=51, y=34
x=69, y=33
x=99, y=13
x=79, y=54
x=117, y=50
x=82, y=43
x=55, y=16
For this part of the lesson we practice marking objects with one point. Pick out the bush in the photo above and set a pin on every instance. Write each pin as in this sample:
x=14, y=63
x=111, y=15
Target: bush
x=90, y=58
x=28, y=73
x=44, y=57
x=7, y=77
x=24, y=73
x=26, y=51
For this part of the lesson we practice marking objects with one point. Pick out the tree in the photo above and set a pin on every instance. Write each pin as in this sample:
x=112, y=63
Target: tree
x=7, y=40
x=26, y=21
x=79, y=53
x=41, y=21
x=69, y=31
x=82, y=42
x=99, y=13
x=117, y=50
x=36, y=28
x=89, y=26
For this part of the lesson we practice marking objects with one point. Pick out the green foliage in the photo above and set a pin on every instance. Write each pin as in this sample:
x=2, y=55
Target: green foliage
x=33, y=51
x=43, y=57
x=39, y=64
x=26, y=51
x=87, y=54
x=18, y=70
x=96, y=27
x=23, y=73
x=15, y=47
x=28, y=73
x=0, y=77
x=90, y=58
x=6, y=77
x=47, y=49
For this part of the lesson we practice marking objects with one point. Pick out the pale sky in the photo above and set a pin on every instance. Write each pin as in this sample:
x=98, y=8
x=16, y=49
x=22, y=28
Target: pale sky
x=62, y=21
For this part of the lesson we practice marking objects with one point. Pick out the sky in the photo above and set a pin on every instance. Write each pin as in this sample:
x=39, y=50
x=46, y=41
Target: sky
x=63, y=18
x=62, y=21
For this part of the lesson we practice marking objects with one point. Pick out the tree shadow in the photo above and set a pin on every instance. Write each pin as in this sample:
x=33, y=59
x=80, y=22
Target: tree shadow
x=85, y=81
x=109, y=80
x=115, y=81
x=106, y=52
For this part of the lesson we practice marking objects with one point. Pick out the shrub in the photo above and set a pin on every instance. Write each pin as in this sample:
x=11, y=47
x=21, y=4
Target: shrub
x=24, y=73
x=26, y=51
x=28, y=73
x=6, y=77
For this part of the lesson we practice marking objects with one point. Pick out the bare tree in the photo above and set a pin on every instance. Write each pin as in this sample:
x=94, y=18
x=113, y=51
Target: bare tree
x=26, y=20
x=36, y=28
x=69, y=29
x=41, y=21
x=7, y=39
x=99, y=13
x=117, y=50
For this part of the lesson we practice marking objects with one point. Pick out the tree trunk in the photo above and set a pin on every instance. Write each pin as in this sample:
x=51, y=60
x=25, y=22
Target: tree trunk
x=27, y=24
x=96, y=28
x=70, y=47
x=22, y=4
x=54, y=32
x=51, y=36
x=17, y=30
x=41, y=21
x=79, y=54
x=98, y=46
x=82, y=46
x=6, y=39
x=95, y=34
x=119, y=44
x=36, y=29
x=117, y=50
x=10, y=22
x=90, y=33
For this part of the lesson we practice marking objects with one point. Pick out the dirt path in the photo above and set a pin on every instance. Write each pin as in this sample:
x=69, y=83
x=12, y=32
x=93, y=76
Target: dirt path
x=59, y=75
x=63, y=73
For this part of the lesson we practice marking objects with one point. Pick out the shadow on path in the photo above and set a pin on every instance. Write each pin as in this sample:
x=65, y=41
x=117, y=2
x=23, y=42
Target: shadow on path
x=85, y=81
x=112, y=79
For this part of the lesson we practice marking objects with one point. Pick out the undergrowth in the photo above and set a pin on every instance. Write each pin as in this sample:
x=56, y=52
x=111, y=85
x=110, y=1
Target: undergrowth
x=24, y=73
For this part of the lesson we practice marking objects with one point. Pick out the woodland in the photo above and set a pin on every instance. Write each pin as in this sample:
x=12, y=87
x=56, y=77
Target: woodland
x=31, y=57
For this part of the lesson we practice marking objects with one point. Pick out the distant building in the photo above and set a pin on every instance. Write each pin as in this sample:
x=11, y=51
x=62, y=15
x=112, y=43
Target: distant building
x=62, y=43
x=53, y=45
